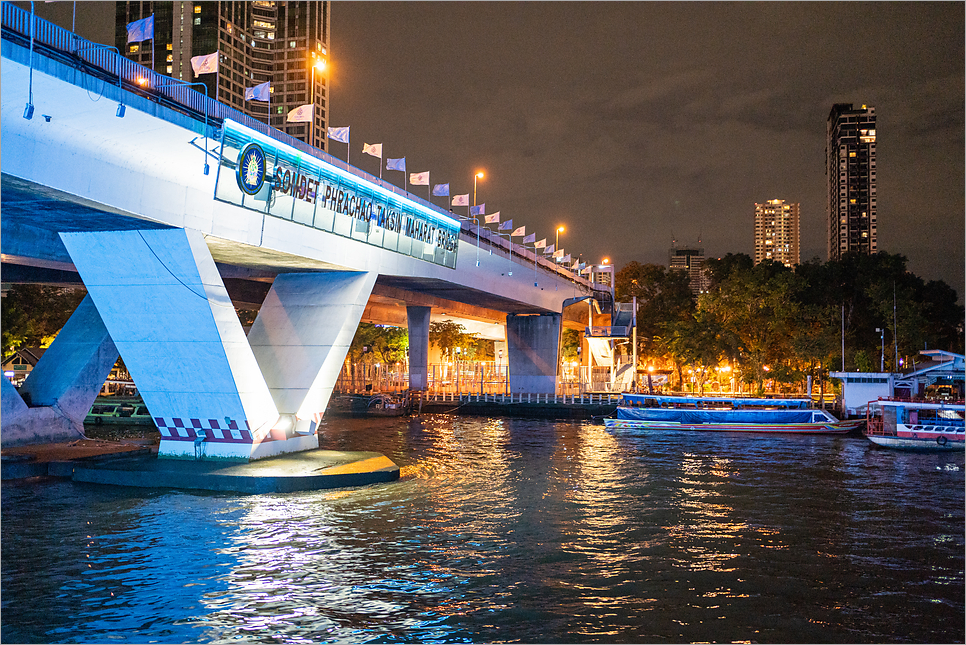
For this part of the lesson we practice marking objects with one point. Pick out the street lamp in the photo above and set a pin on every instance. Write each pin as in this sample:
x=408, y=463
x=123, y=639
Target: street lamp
x=319, y=65
x=881, y=331
x=478, y=175
x=556, y=240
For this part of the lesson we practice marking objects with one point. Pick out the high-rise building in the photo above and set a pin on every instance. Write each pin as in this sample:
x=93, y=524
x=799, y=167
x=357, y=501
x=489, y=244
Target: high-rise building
x=690, y=259
x=776, y=232
x=850, y=167
x=278, y=42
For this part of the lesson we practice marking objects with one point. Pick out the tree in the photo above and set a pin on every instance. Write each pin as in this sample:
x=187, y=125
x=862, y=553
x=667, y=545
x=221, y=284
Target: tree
x=379, y=344
x=570, y=344
x=449, y=336
x=756, y=312
x=663, y=298
x=32, y=315
x=695, y=342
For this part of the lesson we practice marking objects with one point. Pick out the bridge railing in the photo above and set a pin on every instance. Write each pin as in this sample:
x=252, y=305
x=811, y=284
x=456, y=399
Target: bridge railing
x=146, y=82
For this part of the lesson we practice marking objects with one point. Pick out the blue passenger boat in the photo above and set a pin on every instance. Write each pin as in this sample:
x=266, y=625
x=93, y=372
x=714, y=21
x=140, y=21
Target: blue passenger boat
x=725, y=414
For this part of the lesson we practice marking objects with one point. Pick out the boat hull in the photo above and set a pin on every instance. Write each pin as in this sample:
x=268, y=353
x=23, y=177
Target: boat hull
x=841, y=427
x=918, y=444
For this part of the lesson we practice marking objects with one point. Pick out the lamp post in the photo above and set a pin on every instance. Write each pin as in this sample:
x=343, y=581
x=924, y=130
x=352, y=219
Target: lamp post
x=478, y=175
x=881, y=331
x=318, y=65
x=556, y=239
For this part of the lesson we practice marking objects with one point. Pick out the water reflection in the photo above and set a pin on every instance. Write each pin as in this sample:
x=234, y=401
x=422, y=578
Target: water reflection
x=506, y=529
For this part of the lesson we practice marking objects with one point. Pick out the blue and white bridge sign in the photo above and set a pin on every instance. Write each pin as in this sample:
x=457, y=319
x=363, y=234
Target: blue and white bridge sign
x=268, y=176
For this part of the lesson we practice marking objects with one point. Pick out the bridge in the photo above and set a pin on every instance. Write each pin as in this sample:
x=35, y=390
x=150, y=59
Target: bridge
x=171, y=209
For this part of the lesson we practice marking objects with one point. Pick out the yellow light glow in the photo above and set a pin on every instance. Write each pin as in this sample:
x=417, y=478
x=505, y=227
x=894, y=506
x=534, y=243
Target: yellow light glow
x=142, y=81
x=320, y=64
x=606, y=261
x=560, y=229
x=479, y=175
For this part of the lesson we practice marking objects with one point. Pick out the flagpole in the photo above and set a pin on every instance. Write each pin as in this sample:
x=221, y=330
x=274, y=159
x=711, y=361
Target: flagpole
x=477, y=227
x=534, y=264
x=218, y=77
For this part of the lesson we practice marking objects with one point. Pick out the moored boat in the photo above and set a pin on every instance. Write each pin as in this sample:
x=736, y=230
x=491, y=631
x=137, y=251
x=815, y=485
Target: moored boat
x=726, y=415
x=916, y=425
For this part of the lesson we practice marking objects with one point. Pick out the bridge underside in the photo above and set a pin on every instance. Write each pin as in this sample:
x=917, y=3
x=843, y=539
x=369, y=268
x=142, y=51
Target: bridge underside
x=157, y=296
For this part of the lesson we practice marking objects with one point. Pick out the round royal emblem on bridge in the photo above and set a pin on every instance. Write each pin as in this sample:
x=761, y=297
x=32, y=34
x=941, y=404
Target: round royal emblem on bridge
x=251, y=169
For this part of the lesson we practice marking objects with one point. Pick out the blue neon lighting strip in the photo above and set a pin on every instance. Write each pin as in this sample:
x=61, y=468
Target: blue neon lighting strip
x=259, y=173
x=360, y=183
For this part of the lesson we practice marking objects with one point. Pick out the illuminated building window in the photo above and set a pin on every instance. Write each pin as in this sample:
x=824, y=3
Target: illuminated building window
x=134, y=48
x=198, y=20
x=197, y=8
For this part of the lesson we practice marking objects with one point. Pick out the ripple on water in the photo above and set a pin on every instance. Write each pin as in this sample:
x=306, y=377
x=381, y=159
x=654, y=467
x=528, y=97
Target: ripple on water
x=509, y=529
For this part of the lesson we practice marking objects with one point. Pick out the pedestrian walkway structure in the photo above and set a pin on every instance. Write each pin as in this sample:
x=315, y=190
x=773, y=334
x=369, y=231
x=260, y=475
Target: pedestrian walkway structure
x=171, y=209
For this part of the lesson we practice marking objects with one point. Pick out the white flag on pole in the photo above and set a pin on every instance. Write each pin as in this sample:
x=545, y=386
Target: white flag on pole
x=374, y=149
x=337, y=134
x=141, y=30
x=419, y=178
x=302, y=114
x=493, y=218
x=520, y=231
x=261, y=92
x=542, y=244
x=206, y=64
x=461, y=200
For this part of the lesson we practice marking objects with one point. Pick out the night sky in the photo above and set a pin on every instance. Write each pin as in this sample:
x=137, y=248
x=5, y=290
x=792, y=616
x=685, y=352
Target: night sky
x=635, y=124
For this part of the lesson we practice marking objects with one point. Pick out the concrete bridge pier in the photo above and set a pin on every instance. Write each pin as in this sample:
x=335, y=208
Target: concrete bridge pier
x=533, y=343
x=57, y=395
x=166, y=309
x=301, y=338
x=417, y=320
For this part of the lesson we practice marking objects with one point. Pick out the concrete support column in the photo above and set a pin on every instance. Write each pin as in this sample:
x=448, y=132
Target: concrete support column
x=62, y=387
x=301, y=337
x=533, y=352
x=418, y=323
x=163, y=302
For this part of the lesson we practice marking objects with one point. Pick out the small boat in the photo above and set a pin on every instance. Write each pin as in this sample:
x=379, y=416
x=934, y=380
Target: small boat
x=119, y=413
x=387, y=405
x=916, y=425
x=726, y=415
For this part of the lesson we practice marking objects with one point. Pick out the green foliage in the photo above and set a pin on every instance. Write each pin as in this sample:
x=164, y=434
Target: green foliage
x=379, y=344
x=570, y=344
x=449, y=336
x=663, y=299
x=776, y=324
x=32, y=315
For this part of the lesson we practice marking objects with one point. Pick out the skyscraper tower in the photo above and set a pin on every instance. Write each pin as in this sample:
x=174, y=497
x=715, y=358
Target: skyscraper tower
x=689, y=260
x=850, y=168
x=280, y=42
x=776, y=232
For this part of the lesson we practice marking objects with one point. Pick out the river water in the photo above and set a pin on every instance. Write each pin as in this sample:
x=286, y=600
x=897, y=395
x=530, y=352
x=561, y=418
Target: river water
x=509, y=530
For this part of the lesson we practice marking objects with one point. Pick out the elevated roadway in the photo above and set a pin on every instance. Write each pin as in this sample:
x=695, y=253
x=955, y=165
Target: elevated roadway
x=170, y=207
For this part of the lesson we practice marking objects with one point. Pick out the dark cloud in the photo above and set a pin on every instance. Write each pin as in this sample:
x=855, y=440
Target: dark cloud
x=635, y=123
